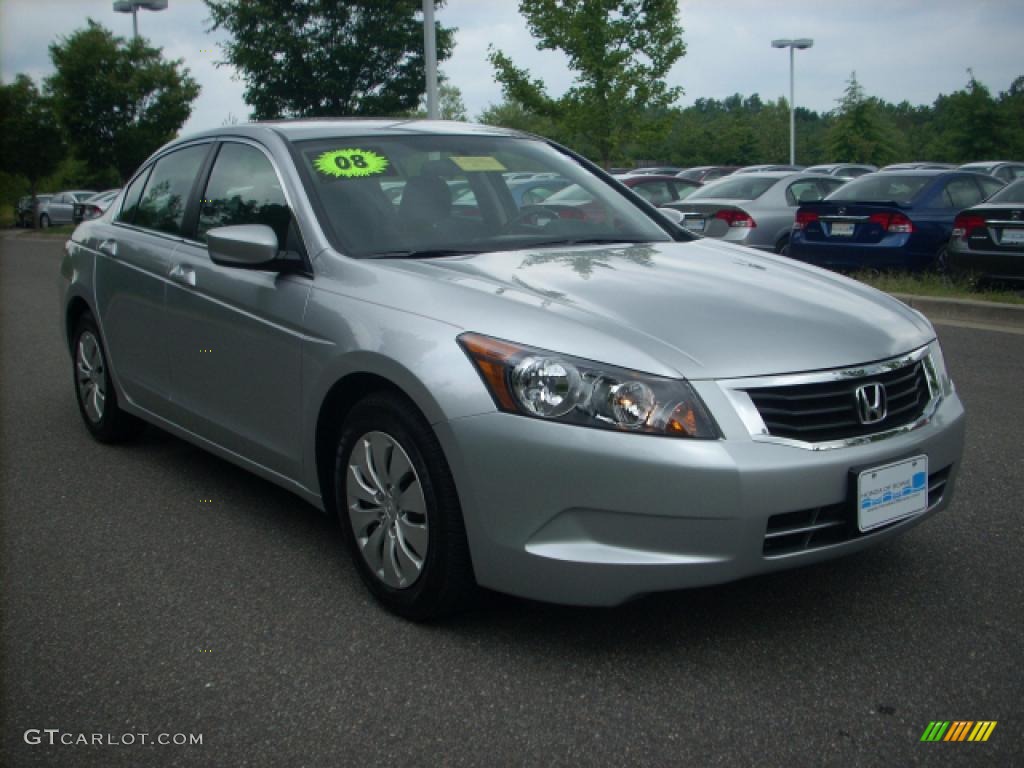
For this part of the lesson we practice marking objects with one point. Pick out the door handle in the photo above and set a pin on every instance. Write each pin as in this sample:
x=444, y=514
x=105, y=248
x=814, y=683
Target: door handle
x=108, y=247
x=183, y=274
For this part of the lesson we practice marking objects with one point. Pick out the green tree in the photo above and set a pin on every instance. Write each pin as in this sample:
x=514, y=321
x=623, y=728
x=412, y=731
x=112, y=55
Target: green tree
x=117, y=101
x=450, y=105
x=859, y=133
x=328, y=57
x=30, y=140
x=969, y=125
x=620, y=51
x=1011, y=109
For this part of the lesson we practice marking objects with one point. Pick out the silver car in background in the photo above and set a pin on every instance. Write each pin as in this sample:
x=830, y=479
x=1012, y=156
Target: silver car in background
x=572, y=408
x=59, y=209
x=753, y=209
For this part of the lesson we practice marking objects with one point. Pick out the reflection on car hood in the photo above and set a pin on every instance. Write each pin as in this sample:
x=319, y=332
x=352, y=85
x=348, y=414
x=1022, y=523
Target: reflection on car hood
x=704, y=309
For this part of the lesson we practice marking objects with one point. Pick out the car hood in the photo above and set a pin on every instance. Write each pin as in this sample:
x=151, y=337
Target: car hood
x=704, y=309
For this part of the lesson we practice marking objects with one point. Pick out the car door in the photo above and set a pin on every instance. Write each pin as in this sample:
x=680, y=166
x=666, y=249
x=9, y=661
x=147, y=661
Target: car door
x=133, y=259
x=58, y=211
x=235, y=335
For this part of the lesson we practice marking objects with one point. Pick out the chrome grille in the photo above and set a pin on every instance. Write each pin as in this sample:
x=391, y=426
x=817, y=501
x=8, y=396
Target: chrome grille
x=806, y=529
x=825, y=411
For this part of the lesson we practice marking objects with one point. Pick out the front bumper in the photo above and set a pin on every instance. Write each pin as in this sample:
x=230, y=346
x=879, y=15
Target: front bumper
x=590, y=517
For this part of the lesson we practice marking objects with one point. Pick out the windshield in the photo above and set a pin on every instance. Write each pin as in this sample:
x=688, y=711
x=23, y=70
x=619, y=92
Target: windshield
x=735, y=188
x=1014, y=193
x=881, y=188
x=394, y=196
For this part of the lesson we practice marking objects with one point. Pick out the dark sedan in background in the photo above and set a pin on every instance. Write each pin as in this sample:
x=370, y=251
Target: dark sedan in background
x=887, y=220
x=988, y=239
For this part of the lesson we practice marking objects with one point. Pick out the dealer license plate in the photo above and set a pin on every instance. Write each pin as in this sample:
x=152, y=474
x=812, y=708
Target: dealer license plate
x=891, y=492
x=697, y=225
x=1012, y=237
x=842, y=229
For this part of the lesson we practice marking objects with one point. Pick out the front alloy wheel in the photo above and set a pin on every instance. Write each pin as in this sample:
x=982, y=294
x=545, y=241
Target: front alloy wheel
x=387, y=510
x=399, y=510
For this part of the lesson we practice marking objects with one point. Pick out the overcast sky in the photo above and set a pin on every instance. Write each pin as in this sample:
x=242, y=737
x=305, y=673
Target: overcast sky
x=901, y=49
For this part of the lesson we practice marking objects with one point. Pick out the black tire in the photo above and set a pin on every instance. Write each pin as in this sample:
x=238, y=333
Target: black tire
x=44, y=221
x=113, y=425
x=941, y=265
x=782, y=247
x=446, y=583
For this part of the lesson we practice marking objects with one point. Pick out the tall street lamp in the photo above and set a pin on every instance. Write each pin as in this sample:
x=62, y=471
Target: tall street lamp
x=801, y=43
x=133, y=7
x=430, y=58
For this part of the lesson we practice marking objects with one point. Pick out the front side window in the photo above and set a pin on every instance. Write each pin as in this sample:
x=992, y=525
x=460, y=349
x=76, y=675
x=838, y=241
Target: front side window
x=388, y=196
x=163, y=202
x=243, y=189
x=131, y=198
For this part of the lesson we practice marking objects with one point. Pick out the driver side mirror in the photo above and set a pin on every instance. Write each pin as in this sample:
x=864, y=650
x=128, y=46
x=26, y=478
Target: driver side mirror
x=247, y=246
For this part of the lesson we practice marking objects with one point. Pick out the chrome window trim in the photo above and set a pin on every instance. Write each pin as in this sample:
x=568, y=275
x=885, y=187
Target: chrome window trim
x=735, y=391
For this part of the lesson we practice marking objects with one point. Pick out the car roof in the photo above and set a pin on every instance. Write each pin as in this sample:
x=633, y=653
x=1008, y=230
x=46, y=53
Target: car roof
x=302, y=129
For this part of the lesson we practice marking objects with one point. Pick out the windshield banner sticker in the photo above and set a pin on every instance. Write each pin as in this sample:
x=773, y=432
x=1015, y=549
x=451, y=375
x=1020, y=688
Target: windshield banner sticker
x=483, y=163
x=351, y=163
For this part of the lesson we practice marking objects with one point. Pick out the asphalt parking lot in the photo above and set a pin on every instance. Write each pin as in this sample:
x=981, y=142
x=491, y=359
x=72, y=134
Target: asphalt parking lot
x=131, y=606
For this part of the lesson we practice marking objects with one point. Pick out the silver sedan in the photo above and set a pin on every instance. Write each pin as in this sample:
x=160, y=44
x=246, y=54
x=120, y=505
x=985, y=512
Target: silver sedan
x=572, y=408
x=754, y=209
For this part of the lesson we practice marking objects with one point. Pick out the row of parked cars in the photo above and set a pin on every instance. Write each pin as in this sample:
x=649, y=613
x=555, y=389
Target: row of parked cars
x=67, y=207
x=842, y=216
x=960, y=220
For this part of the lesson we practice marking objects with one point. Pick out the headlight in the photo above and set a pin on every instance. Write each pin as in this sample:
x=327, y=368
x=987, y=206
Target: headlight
x=551, y=386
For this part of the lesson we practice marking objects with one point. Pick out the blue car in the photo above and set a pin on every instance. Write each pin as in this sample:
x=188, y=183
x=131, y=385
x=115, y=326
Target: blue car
x=887, y=220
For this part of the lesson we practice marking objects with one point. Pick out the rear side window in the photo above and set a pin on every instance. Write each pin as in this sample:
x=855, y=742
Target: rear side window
x=741, y=187
x=881, y=188
x=243, y=189
x=960, y=193
x=166, y=194
x=654, y=192
x=132, y=197
x=810, y=190
x=989, y=187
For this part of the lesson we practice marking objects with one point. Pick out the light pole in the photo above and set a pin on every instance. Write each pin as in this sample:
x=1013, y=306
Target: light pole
x=430, y=51
x=801, y=43
x=133, y=6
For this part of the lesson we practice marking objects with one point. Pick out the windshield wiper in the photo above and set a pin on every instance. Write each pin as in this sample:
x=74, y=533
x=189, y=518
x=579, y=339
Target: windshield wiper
x=424, y=253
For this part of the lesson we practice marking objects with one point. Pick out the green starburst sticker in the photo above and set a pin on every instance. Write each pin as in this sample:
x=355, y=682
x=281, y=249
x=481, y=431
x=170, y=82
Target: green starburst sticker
x=350, y=163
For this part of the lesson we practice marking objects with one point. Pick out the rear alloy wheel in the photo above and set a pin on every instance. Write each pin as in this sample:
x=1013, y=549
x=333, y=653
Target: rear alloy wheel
x=399, y=510
x=94, y=389
x=44, y=222
x=782, y=247
x=942, y=261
